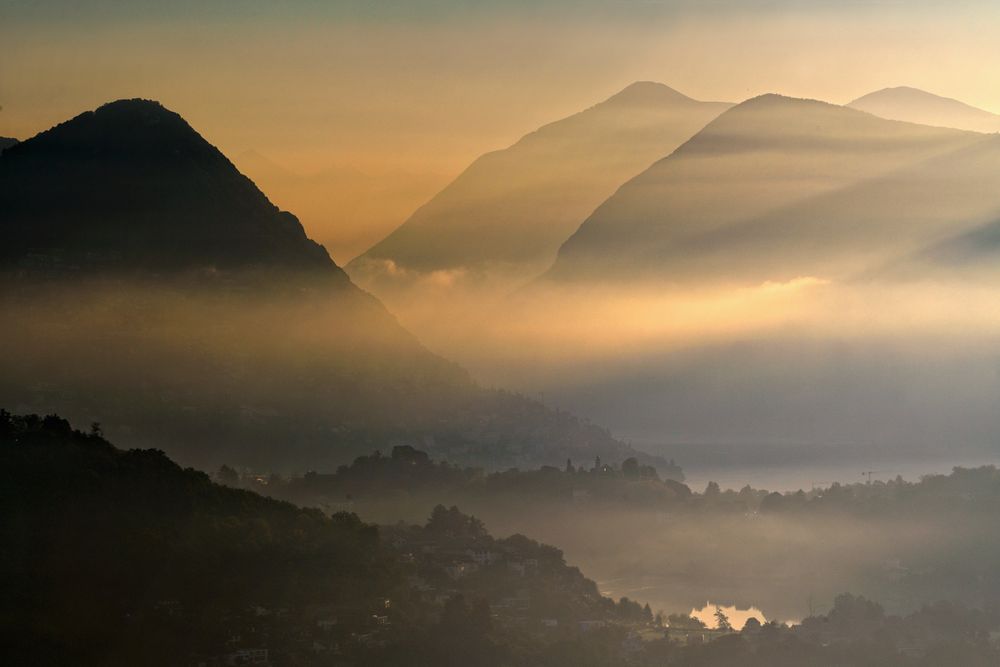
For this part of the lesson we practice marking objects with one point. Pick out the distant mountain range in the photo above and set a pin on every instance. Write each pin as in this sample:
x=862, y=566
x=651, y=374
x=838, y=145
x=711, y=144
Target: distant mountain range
x=917, y=106
x=158, y=291
x=778, y=188
x=502, y=220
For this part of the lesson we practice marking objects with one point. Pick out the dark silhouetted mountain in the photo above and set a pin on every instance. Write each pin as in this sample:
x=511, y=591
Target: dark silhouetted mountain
x=777, y=188
x=917, y=106
x=6, y=142
x=158, y=291
x=503, y=218
x=133, y=186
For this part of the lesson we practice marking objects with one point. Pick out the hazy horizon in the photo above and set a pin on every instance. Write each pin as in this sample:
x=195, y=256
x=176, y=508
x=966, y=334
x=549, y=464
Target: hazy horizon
x=427, y=87
x=500, y=333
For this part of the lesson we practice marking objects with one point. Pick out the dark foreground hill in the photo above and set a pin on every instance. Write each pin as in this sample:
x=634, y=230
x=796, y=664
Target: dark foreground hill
x=116, y=557
x=155, y=289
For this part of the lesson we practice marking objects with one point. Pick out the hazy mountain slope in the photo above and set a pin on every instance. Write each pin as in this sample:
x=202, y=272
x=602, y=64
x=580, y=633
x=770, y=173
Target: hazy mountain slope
x=970, y=254
x=917, y=106
x=158, y=291
x=839, y=234
x=508, y=212
x=755, y=161
x=344, y=209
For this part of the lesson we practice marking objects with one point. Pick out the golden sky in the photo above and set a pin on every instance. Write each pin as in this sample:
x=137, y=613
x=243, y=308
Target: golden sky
x=425, y=87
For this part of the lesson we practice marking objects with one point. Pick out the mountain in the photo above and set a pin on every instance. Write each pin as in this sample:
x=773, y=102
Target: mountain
x=133, y=185
x=158, y=291
x=345, y=209
x=778, y=188
x=6, y=142
x=503, y=218
x=917, y=106
x=115, y=557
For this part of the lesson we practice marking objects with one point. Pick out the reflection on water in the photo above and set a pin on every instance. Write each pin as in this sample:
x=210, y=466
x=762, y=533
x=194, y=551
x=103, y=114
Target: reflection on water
x=737, y=617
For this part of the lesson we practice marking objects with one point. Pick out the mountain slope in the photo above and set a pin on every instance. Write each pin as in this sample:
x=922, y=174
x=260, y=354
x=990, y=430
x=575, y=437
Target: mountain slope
x=344, y=209
x=116, y=557
x=505, y=216
x=133, y=185
x=158, y=291
x=751, y=188
x=917, y=106
x=6, y=142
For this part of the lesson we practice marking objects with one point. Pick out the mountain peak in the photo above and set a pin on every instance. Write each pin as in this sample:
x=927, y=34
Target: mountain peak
x=134, y=105
x=647, y=93
x=772, y=100
x=919, y=106
x=903, y=93
x=127, y=127
x=133, y=185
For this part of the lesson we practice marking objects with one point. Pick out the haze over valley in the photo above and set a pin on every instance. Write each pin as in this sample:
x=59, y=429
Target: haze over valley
x=499, y=334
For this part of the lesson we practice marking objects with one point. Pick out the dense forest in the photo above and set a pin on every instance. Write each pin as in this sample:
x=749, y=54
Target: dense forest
x=119, y=557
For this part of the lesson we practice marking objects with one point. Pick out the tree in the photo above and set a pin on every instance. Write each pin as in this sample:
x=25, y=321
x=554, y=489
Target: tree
x=852, y=614
x=227, y=476
x=722, y=621
x=409, y=455
x=630, y=468
x=451, y=522
x=469, y=620
x=685, y=622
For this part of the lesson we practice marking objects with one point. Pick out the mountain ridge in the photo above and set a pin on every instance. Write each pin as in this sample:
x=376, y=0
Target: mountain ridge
x=910, y=104
x=756, y=158
x=506, y=214
x=197, y=210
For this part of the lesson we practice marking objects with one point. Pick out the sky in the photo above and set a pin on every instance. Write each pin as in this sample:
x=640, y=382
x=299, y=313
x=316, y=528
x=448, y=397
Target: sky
x=423, y=87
